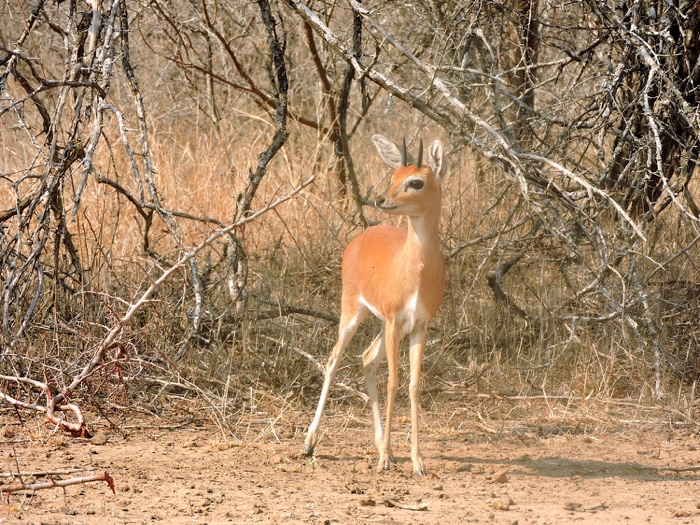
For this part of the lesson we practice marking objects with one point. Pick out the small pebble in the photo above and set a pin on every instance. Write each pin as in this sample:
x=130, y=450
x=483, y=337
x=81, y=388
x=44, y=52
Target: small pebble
x=100, y=438
x=500, y=477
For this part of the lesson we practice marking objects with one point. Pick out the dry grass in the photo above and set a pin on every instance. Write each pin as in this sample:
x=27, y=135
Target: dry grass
x=294, y=255
x=476, y=346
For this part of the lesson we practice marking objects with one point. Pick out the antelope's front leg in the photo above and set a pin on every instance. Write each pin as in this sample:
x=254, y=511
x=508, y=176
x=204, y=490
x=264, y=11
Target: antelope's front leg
x=417, y=348
x=392, y=340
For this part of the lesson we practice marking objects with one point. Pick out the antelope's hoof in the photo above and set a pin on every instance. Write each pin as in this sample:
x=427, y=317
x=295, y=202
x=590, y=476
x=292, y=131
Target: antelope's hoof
x=384, y=463
x=420, y=471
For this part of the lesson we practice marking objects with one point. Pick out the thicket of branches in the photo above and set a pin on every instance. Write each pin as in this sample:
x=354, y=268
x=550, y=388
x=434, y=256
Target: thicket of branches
x=581, y=118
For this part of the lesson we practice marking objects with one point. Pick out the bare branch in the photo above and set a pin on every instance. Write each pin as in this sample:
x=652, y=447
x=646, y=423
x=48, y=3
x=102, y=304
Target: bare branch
x=31, y=488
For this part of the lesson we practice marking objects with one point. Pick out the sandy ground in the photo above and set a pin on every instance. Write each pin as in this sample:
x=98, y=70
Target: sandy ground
x=519, y=474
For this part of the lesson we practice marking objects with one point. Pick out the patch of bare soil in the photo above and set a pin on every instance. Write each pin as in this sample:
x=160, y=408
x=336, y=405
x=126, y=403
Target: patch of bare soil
x=519, y=474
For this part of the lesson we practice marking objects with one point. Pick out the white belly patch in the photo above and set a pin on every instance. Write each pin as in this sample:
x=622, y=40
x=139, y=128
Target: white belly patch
x=406, y=318
x=372, y=309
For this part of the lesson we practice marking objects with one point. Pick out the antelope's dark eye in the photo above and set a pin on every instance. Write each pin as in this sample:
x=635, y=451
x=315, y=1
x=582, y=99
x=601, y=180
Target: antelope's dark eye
x=416, y=184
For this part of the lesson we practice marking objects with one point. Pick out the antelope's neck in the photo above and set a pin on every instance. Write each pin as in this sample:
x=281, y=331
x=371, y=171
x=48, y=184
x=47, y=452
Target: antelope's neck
x=423, y=280
x=422, y=241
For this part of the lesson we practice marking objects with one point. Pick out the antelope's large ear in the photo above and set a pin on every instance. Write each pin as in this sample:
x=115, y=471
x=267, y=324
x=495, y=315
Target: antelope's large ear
x=436, y=159
x=389, y=152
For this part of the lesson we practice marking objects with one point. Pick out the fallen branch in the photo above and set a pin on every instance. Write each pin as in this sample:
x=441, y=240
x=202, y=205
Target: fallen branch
x=678, y=470
x=31, y=488
x=405, y=506
x=76, y=428
x=38, y=474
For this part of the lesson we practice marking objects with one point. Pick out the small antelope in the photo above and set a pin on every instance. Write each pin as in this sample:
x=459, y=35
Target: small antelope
x=399, y=276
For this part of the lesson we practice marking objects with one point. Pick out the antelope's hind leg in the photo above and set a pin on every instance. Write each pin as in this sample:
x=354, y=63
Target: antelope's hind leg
x=371, y=359
x=392, y=339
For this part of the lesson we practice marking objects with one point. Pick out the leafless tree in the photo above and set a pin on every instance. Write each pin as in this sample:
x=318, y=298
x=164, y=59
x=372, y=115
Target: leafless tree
x=63, y=108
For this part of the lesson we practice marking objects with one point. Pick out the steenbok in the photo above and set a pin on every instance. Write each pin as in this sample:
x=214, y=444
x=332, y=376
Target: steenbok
x=399, y=276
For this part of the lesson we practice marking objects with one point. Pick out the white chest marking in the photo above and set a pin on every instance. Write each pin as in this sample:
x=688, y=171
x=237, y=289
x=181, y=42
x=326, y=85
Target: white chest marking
x=410, y=315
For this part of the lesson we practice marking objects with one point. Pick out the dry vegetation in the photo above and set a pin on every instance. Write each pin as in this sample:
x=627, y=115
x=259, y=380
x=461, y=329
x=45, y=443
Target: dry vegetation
x=571, y=192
